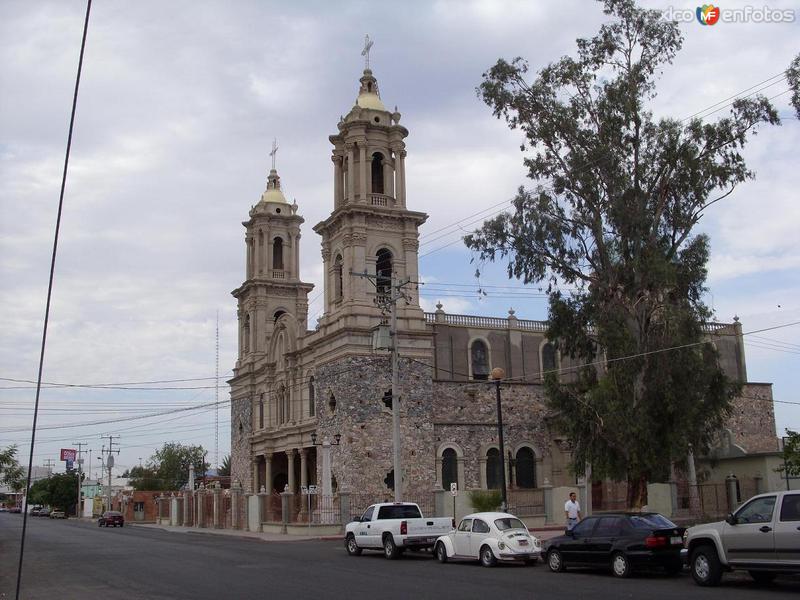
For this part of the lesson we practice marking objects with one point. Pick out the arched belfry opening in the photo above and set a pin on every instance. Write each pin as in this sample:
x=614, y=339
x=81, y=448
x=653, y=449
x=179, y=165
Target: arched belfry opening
x=338, y=280
x=377, y=173
x=383, y=271
x=277, y=254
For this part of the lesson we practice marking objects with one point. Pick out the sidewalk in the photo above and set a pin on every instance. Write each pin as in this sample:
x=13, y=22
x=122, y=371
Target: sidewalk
x=238, y=533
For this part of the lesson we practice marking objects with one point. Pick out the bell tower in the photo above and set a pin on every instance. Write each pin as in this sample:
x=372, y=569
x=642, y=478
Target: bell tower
x=272, y=285
x=370, y=230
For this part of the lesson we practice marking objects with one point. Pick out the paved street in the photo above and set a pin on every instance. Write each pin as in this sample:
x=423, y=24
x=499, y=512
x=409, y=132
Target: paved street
x=68, y=560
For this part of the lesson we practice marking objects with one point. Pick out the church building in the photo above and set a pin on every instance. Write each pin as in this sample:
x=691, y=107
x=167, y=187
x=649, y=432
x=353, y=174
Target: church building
x=313, y=405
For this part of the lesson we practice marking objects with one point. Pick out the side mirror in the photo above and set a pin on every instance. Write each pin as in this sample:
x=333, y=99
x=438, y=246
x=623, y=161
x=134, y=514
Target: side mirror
x=356, y=520
x=731, y=520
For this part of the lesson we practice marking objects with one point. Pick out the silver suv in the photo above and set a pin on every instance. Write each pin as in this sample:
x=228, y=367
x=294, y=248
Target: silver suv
x=761, y=537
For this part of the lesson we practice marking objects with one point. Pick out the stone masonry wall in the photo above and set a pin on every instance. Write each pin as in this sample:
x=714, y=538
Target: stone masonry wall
x=752, y=421
x=241, y=460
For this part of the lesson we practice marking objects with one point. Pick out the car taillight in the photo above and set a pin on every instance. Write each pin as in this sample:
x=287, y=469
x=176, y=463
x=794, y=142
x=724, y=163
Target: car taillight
x=655, y=541
x=403, y=527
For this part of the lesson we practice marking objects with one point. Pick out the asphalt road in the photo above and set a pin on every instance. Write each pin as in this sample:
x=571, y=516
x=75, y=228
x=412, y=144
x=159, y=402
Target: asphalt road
x=66, y=560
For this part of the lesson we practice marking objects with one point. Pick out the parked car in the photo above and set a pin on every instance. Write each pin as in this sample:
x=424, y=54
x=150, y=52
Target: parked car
x=45, y=512
x=762, y=537
x=58, y=514
x=111, y=517
x=394, y=527
x=489, y=537
x=15, y=509
x=622, y=541
x=35, y=511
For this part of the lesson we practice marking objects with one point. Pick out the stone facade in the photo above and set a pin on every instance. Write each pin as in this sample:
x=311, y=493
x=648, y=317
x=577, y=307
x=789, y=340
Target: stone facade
x=294, y=388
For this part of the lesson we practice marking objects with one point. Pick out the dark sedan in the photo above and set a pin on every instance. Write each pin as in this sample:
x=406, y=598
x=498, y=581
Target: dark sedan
x=111, y=517
x=622, y=542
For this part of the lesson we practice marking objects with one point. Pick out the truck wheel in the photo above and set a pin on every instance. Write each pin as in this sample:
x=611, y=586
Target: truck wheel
x=763, y=577
x=390, y=550
x=487, y=557
x=706, y=568
x=351, y=546
x=441, y=552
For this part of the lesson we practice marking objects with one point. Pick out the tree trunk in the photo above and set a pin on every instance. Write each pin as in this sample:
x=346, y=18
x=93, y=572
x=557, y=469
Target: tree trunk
x=637, y=491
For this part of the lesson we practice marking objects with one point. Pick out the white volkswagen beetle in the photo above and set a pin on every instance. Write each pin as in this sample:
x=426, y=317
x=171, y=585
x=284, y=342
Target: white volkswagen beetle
x=489, y=537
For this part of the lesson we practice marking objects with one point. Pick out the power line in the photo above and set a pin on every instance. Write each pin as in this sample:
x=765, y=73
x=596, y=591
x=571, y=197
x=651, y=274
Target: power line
x=50, y=292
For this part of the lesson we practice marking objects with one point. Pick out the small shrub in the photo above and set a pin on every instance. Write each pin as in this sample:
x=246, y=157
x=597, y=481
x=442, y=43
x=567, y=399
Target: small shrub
x=485, y=501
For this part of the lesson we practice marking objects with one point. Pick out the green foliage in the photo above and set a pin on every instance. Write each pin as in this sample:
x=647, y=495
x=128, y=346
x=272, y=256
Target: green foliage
x=612, y=217
x=57, y=491
x=791, y=454
x=225, y=469
x=11, y=473
x=485, y=500
x=793, y=77
x=168, y=468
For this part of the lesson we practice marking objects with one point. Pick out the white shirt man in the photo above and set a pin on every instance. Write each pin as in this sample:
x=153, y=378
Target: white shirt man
x=572, y=511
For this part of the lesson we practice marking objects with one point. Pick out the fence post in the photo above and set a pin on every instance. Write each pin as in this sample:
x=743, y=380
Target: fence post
x=217, y=506
x=187, y=519
x=344, y=508
x=730, y=488
x=548, y=502
x=286, y=507
x=759, y=481
x=236, y=495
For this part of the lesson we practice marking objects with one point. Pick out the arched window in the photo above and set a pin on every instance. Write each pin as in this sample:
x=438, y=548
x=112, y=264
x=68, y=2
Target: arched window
x=261, y=412
x=277, y=254
x=525, y=468
x=332, y=403
x=337, y=277
x=479, y=355
x=548, y=358
x=278, y=314
x=282, y=412
x=312, y=397
x=383, y=271
x=449, y=468
x=493, y=469
x=377, y=173
x=246, y=335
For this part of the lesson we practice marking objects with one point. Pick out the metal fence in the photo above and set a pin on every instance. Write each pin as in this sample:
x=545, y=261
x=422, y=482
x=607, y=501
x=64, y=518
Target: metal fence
x=314, y=508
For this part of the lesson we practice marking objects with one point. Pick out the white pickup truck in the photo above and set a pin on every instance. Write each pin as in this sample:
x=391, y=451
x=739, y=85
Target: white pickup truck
x=394, y=527
x=762, y=537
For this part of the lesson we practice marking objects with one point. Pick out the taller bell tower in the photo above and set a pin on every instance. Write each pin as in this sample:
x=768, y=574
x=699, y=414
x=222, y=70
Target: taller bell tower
x=371, y=229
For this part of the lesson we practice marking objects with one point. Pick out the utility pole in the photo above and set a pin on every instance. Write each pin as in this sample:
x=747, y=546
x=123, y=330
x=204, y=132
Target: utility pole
x=497, y=375
x=216, y=383
x=109, y=464
x=79, y=505
x=49, y=464
x=389, y=301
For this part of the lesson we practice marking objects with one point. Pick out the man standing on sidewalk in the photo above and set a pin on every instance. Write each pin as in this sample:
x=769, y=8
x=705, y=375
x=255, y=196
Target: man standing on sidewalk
x=572, y=511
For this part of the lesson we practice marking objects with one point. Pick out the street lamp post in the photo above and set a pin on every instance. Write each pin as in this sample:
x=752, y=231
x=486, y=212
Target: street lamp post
x=497, y=375
x=327, y=486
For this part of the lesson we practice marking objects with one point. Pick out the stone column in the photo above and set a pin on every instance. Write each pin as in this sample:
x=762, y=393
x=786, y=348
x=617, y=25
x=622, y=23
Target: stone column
x=304, y=467
x=388, y=178
x=337, y=181
x=351, y=174
x=236, y=498
x=401, y=179
x=267, y=472
x=217, y=507
x=256, y=482
x=362, y=171
x=296, y=250
x=248, y=241
x=290, y=468
x=548, y=503
x=187, y=518
x=482, y=471
x=730, y=488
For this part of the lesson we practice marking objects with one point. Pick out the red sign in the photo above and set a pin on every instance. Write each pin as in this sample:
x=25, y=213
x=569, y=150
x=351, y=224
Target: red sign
x=68, y=454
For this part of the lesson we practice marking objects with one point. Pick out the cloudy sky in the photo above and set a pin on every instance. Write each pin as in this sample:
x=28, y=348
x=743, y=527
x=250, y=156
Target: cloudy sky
x=178, y=106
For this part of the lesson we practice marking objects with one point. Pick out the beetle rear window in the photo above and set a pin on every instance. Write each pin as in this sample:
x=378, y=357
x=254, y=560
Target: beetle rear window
x=509, y=523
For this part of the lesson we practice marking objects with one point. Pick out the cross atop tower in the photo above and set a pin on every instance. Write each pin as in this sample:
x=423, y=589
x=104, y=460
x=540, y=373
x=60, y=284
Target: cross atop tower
x=365, y=52
x=274, y=151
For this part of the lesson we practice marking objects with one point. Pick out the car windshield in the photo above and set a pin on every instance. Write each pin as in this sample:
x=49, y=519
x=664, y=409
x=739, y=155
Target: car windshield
x=509, y=523
x=655, y=521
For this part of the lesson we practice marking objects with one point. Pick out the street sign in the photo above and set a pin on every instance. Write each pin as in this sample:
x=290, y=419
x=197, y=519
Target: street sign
x=69, y=464
x=454, y=489
x=69, y=454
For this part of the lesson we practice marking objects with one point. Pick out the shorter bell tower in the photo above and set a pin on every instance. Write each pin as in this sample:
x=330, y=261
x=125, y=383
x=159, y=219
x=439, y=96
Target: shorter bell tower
x=272, y=285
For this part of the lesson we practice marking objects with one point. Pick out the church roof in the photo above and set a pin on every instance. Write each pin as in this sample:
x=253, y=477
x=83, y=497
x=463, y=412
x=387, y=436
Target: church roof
x=273, y=192
x=368, y=94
